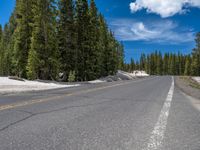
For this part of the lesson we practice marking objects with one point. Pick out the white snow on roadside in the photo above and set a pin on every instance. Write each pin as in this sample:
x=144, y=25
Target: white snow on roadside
x=96, y=81
x=11, y=86
x=140, y=73
x=128, y=75
x=137, y=73
x=196, y=79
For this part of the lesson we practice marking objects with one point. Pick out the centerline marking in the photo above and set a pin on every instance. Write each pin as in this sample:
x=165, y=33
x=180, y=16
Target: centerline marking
x=25, y=103
x=158, y=132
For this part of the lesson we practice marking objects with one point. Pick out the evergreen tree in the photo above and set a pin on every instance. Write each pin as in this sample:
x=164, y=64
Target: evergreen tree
x=93, y=64
x=103, y=44
x=195, y=64
x=132, y=65
x=147, y=65
x=83, y=40
x=42, y=61
x=170, y=64
x=1, y=36
x=120, y=55
x=66, y=37
x=165, y=64
x=153, y=64
x=187, y=70
x=1, y=32
x=196, y=57
x=180, y=64
x=43, y=38
x=142, y=61
x=111, y=55
x=159, y=65
x=5, y=51
x=23, y=35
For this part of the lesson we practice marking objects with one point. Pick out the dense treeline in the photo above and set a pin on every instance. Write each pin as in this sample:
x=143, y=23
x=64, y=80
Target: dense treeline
x=45, y=38
x=169, y=63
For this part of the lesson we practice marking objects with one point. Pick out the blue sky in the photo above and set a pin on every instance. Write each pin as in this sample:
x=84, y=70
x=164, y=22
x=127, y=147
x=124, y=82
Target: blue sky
x=144, y=25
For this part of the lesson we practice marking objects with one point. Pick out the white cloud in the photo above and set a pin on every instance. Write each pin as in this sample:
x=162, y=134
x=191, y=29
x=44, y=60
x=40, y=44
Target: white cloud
x=166, y=31
x=164, y=8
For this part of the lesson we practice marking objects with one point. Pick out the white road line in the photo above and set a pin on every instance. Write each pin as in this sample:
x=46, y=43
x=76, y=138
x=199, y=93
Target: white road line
x=157, y=135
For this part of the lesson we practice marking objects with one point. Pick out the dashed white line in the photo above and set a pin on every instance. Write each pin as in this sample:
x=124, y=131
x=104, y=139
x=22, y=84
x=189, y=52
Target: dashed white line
x=157, y=135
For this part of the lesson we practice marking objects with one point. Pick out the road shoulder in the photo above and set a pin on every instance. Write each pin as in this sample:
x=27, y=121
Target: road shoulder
x=188, y=86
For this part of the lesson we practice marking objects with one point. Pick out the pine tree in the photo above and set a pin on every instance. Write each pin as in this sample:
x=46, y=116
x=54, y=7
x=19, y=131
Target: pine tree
x=142, y=61
x=120, y=55
x=93, y=65
x=187, y=70
x=147, y=65
x=159, y=64
x=103, y=44
x=23, y=35
x=152, y=64
x=170, y=64
x=180, y=64
x=11, y=66
x=173, y=65
x=111, y=55
x=7, y=46
x=1, y=32
x=1, y=50
x=37, y=43
x=66, y=36
x=137, y=65
x=165, y=64
x=5, y=51
x=1, y=36
x=195, y=64
x=132, y=65
x=83, y=40
x=42, y=61
x=196, y=57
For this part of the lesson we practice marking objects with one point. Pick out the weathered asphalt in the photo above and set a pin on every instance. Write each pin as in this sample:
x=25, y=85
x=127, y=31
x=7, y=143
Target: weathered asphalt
x=106, y=116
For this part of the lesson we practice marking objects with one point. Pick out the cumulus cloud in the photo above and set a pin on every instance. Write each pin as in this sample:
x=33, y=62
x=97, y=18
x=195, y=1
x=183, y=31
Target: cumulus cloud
x=166, y=32
x=164, y=8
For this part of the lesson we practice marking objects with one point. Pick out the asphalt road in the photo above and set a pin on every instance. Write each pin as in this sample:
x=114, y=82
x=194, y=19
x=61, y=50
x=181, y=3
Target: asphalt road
x=145, y=114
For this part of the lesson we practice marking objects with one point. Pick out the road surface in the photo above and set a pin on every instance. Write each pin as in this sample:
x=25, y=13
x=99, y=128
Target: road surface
x=145, y=114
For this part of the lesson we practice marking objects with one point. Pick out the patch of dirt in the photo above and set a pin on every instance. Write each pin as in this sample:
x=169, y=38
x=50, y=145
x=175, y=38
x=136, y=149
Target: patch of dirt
x=188, y=86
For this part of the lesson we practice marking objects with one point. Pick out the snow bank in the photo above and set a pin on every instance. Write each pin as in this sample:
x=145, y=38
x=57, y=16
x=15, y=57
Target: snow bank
x=125, y=75
x=122, y=75
x=96, y=81
x=10, y=86
x=196, y=79
x=139, y=73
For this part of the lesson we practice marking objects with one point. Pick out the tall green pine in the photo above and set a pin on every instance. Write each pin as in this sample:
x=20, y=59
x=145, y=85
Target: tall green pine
x=42, y=61
x=23, y=34
x=66, y=37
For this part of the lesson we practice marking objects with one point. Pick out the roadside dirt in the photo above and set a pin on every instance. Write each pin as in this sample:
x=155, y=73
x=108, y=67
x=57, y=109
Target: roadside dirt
x=188, y=86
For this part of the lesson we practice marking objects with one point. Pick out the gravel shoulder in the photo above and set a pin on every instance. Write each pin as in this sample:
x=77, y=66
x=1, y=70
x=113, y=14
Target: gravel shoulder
x=188, y=86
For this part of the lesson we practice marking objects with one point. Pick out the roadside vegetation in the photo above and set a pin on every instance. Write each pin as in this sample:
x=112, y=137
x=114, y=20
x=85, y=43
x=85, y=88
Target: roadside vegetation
x=45, y=38
x=169, y=63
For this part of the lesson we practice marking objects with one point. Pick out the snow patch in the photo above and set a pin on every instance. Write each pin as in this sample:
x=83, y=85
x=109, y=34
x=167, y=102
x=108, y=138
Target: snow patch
x=139, y=73
x=11, y=86
x=96, y=81
x=196, y=79
x=125, y=75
